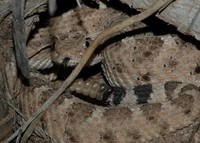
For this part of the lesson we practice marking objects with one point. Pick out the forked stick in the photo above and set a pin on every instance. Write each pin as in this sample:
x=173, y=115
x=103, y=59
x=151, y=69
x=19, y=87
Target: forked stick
x=102, y=36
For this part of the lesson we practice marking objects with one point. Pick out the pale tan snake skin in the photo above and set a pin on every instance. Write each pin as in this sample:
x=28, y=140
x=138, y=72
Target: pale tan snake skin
x=166, y=62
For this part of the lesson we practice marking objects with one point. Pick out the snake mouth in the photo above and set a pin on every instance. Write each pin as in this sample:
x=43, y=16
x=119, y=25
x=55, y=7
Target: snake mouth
x=94, y=59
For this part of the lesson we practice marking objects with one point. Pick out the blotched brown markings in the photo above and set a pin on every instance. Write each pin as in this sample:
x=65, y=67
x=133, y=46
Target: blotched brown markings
x=170, y=86
x=146, y=77
x=151, y=110
x=185, y=101
x=107, y=137
x=134, y=135
x=190, y=87
x=71, y=137
x=117, y=113
x=79, y=111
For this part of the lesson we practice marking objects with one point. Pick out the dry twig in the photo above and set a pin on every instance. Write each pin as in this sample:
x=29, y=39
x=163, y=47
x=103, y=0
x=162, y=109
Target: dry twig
x=19, y=38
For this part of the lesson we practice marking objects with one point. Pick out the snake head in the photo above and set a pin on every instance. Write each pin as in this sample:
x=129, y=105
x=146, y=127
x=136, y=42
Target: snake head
x=74, y=29
x=70, y=53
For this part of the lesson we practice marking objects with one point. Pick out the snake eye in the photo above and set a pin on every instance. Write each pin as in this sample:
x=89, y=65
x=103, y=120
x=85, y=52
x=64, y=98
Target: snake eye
x=87, y=42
